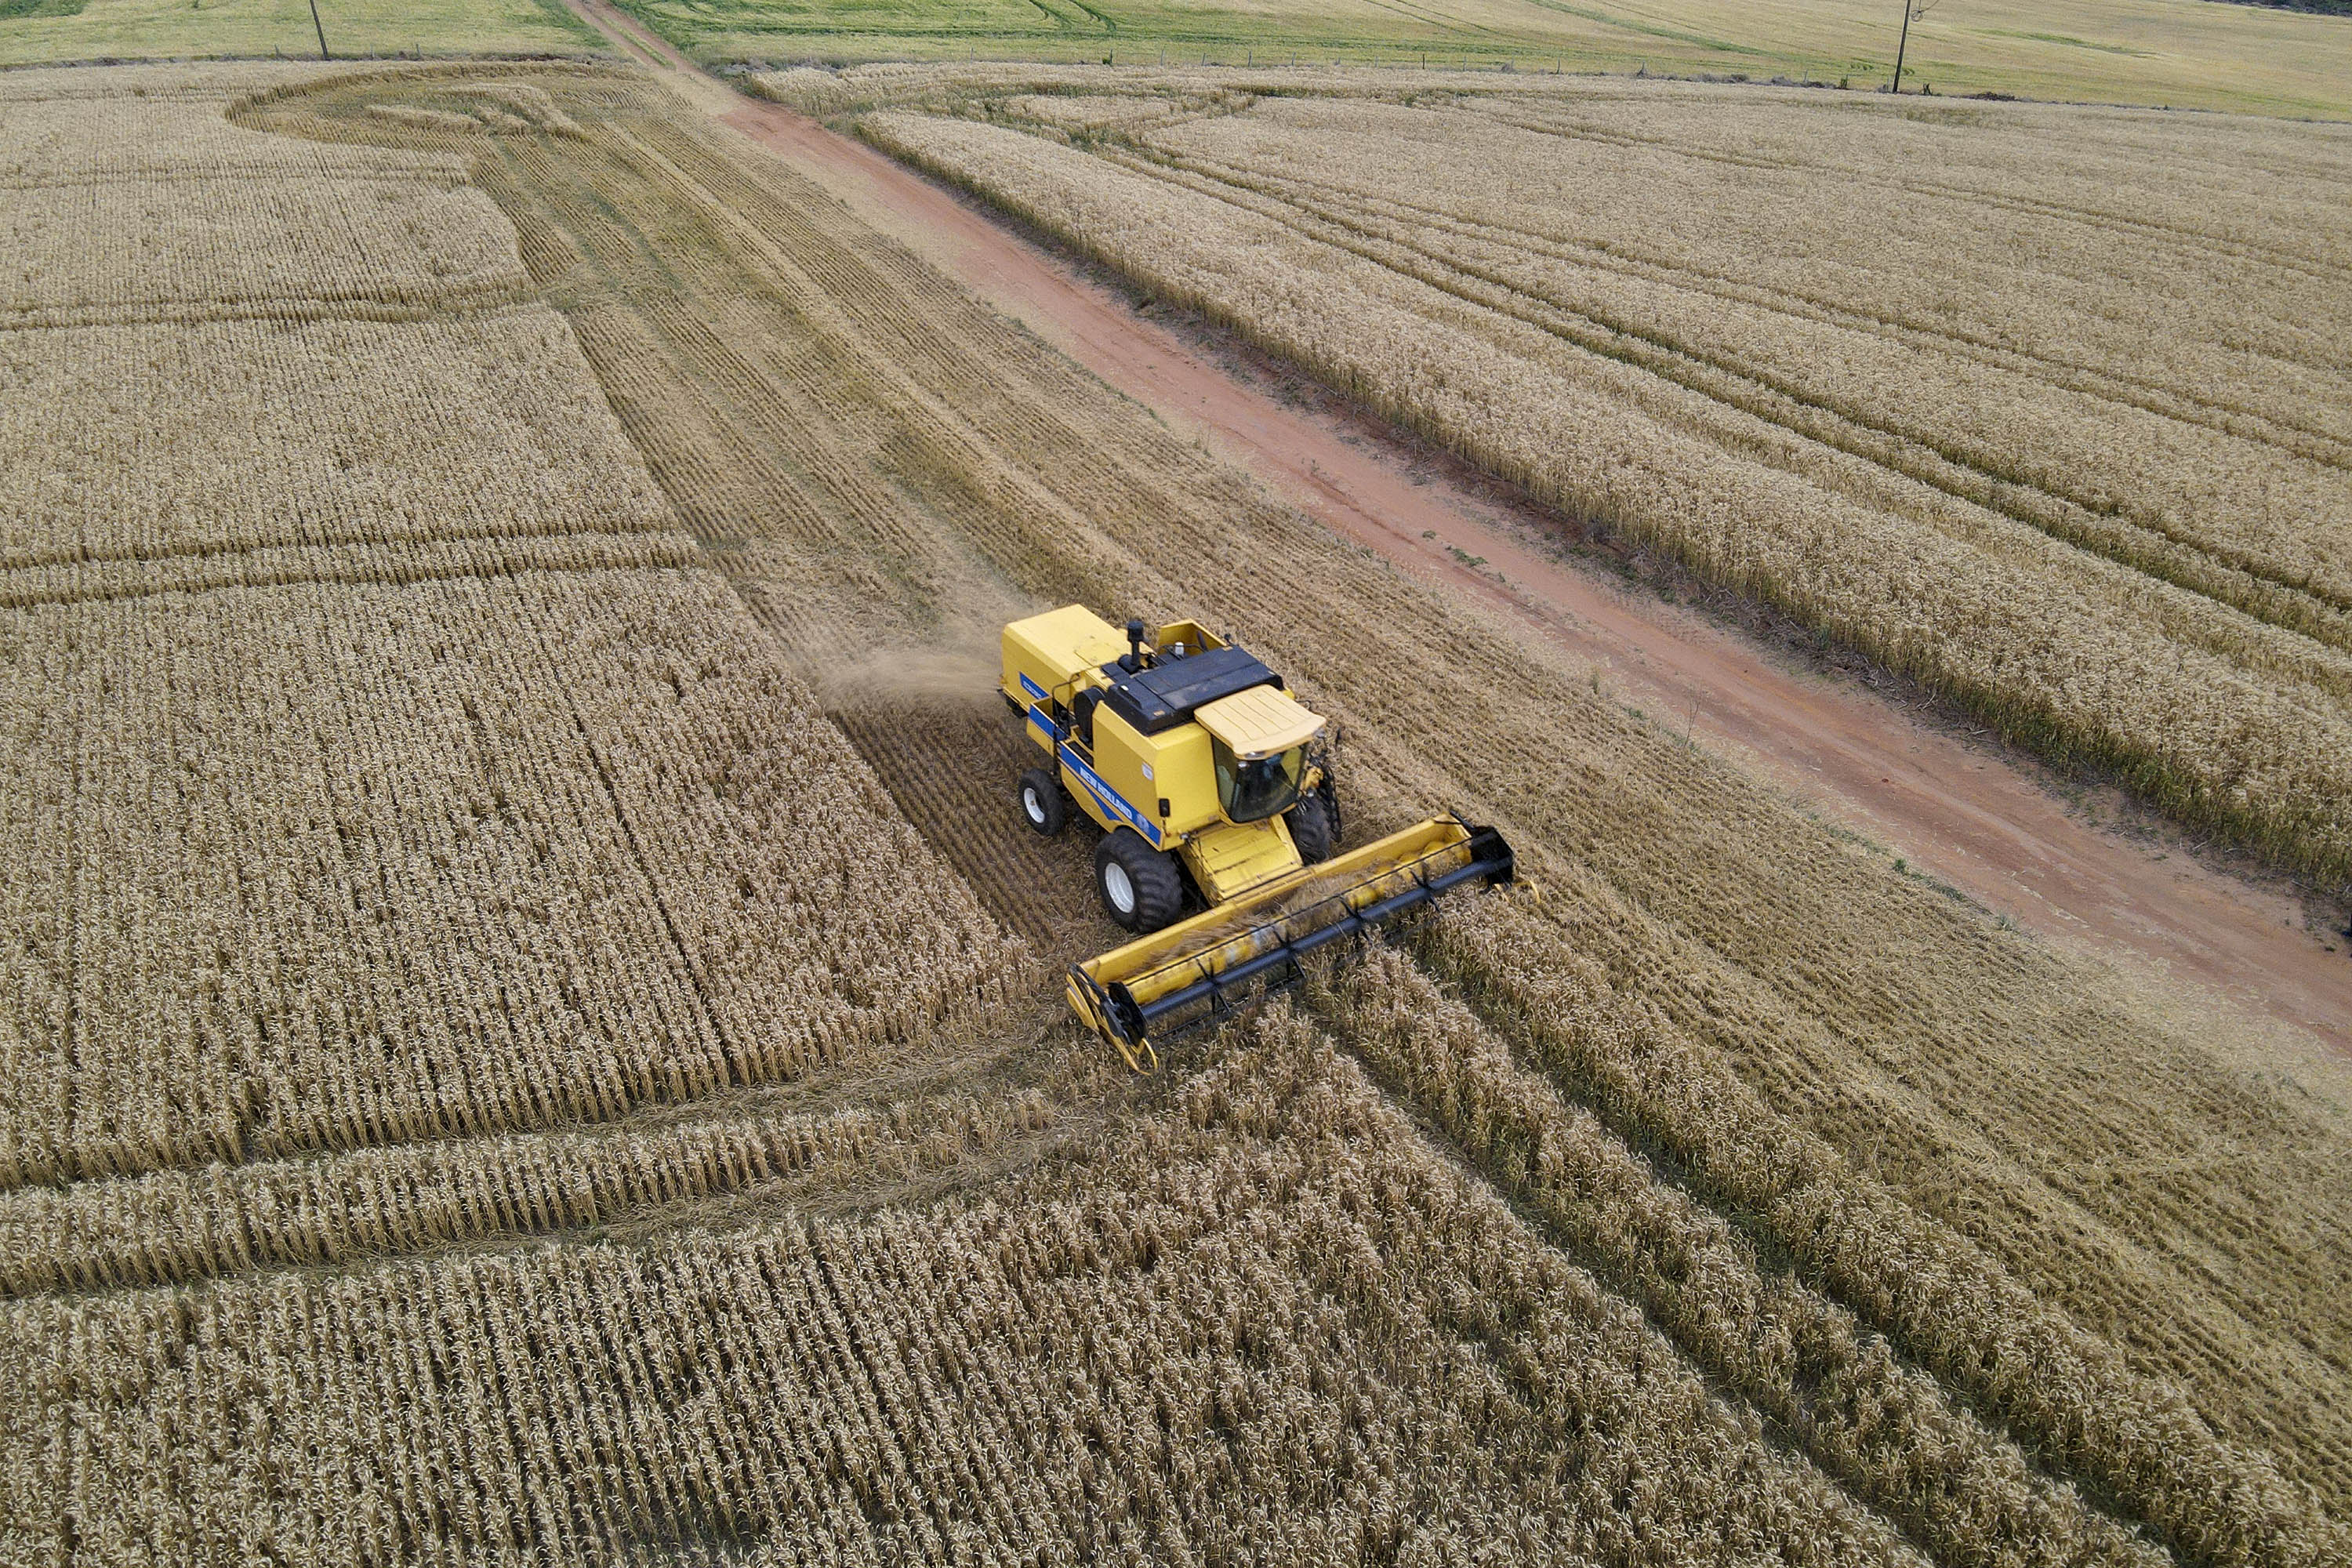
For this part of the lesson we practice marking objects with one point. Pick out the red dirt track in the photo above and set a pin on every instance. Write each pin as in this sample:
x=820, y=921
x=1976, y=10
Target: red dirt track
x=1966, y=814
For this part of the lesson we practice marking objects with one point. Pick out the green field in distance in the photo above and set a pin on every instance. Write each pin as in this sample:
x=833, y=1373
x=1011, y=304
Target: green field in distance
x=2184, y=53
x=2188, y=54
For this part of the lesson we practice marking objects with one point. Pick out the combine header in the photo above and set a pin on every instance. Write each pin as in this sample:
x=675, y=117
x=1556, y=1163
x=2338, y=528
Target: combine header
x=1212, y=787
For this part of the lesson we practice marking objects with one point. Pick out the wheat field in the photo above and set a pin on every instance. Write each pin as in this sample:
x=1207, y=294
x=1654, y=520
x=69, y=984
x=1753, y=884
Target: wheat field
x=531, y=1033
x=2043, y=407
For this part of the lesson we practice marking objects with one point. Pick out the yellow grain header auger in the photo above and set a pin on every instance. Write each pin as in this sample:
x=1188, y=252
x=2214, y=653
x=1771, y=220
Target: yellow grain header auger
x=1212, y=786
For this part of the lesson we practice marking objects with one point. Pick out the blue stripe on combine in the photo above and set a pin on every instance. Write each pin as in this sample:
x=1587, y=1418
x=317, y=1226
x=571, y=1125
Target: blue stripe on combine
x=1112, y=801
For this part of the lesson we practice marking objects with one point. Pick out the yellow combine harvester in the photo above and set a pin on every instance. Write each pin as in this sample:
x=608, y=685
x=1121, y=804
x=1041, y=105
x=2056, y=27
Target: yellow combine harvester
x=1212, y=786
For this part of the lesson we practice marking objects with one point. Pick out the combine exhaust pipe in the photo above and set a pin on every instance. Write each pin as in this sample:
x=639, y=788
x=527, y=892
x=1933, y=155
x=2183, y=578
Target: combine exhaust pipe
x=1184, y=975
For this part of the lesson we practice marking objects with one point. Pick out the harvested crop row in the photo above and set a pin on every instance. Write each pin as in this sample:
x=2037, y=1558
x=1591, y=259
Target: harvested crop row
x=140, y=443
x=1124, y=1357
x=924, y=746
x=331, y=865
x=1889, y=1432
x=178, y=1226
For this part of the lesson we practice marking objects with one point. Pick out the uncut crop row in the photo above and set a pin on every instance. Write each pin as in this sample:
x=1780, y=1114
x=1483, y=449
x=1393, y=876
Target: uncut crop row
x=2078, y=462
x=2081, y=1408
x=176, y=1226
x=148, y=442
x=1886, y=1430
x=1263, y=1319
x=348, y=865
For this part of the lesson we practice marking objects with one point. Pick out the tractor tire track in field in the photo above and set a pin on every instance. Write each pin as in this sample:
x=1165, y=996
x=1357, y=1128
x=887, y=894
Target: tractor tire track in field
x=1974, y=816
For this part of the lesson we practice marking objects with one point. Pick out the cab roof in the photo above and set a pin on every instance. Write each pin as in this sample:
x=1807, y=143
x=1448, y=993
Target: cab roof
x=1258, y=722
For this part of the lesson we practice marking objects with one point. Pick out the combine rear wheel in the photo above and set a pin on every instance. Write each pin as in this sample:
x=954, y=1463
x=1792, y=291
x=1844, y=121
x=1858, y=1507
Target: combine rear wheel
x=1041, y=802
x=1140, y=886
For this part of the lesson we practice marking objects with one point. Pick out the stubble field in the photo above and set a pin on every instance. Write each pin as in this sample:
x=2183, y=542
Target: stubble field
x=530, y=1027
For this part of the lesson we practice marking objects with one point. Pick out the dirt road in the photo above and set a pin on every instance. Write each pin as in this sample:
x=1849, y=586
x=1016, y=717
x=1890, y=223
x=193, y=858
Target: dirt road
x=1973, y=815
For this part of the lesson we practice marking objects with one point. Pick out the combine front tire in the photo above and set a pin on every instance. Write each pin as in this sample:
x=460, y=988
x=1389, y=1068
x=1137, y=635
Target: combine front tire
x=1138, y=885
x=1041, y=802
x=1310, y=829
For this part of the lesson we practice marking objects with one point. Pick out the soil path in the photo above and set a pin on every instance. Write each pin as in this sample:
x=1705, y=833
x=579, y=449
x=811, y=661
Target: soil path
x=1973, y=815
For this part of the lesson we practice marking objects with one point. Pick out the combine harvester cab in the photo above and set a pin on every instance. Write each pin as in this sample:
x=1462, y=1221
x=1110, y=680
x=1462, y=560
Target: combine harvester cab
x=1201, y=769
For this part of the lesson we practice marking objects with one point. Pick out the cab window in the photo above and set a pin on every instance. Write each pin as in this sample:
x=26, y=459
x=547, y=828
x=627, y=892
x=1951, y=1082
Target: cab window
x=1253, y=789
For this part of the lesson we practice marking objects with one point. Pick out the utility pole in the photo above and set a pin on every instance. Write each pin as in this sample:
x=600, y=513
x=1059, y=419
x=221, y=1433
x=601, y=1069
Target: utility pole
x=1912, y=11
x=323, y=31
